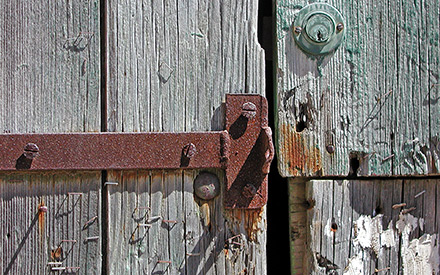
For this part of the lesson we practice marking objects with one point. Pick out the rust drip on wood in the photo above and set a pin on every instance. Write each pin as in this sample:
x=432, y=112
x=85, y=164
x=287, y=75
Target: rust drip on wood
x=301, y=158
x=250, y=219
x=41, y=219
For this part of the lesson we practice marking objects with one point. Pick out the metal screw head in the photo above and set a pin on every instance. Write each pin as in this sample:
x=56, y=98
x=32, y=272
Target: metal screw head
x=330, y=148
x=206, y=186
x=249, y=110
x=189, y=150
x=31, y=151
x=298, y=29
x=249, y=191
x=340, y=27
x=42, y=209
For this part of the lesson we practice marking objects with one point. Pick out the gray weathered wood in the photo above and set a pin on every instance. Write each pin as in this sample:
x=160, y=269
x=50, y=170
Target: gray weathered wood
x=376, y=97
x=170, y=64
x=49, y=66
x=364, y=231
x=30, y=238
x=49, y=82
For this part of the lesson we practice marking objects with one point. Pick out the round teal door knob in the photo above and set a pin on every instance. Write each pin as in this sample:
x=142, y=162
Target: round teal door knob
x=318, y=28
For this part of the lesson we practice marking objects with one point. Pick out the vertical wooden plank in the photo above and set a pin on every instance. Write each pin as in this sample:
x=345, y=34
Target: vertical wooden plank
x=35, y=238
x=298, y=206
x=170, y=64
x=348, y=99
x=49, y=72
x=50, y=82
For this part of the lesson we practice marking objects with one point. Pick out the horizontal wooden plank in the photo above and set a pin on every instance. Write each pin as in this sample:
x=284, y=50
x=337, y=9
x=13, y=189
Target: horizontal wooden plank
x=369, y=108
x=370, y=226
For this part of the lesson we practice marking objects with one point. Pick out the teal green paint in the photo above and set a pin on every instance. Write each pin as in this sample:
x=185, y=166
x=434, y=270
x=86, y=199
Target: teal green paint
x=315, y=29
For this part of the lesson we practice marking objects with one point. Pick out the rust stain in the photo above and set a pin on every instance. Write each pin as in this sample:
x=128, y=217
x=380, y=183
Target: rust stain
x=301, y=158
x=250, y=219
x=41, y=219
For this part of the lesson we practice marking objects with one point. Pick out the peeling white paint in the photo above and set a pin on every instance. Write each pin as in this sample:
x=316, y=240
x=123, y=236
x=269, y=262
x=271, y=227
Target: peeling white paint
x=355, y=266
x=370, y=234
x=419, y=256
x=328, y=230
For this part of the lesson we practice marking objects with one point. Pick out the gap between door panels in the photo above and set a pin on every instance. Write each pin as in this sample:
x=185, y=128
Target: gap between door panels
x=278, y=244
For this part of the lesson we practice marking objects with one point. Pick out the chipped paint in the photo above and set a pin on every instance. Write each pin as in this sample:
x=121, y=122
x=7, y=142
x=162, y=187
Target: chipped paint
x=355, y=266
x=419, y=255
x=302, y=158
x=370, y=234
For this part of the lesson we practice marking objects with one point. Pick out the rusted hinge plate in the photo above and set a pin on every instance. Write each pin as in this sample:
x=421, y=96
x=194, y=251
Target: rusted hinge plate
x=245, y=150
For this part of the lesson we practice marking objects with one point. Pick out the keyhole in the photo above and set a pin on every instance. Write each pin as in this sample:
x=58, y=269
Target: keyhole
x=319, y=36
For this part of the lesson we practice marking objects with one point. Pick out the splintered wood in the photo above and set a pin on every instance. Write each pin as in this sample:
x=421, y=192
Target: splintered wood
x=362, y=227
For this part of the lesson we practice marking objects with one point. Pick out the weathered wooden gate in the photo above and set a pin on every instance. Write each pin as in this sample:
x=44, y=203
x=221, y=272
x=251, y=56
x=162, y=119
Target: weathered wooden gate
x=355, y=127
x=124, y=66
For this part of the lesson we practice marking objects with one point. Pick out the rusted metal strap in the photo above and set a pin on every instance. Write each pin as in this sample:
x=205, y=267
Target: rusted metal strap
x=101, y=151
x=244, y=149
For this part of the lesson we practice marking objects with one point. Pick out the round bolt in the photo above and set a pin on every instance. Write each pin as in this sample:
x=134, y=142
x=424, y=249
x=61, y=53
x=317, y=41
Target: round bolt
x=249, y=110
x=340, y=27
x=249, y=191
x=330, y=148
x=206, y=186
x=189, y=150
x=31, y=151
x=298, y=30
x=42, y=209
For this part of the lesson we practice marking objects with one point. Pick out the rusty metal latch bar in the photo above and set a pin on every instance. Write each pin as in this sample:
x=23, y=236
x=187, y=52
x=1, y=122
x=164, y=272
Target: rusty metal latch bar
x=245, y=150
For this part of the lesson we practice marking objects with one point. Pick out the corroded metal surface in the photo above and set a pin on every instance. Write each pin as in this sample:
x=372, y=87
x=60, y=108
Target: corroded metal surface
x=245, y=150
x=250, y=152
x=101, y=151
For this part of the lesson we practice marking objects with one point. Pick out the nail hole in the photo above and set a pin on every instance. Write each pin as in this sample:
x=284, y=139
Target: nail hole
x=334, y=227
x=378, y=210
x=300, y=126
x=354, y=165
x=8, y=235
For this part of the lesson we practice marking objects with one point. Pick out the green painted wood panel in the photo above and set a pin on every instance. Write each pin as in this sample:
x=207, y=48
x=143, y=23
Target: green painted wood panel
x=375, y=99
x=170, y=64
x=49, y=82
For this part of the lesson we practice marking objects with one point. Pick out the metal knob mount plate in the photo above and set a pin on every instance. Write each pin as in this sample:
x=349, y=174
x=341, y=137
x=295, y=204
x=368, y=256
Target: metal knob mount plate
x=318, y=28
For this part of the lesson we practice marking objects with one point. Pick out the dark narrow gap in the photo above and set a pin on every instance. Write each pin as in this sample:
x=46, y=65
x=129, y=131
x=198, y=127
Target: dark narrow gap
x=103, y=67
x=278, y=243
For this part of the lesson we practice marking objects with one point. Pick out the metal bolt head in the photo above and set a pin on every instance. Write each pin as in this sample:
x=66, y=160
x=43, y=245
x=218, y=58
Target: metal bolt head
x=340, y=27
x=189, y=150
x=31, y=151
x=298, y=29
x=206, y=186
x=42, y=209
x=249, y=191
x=249, y=110
x=330, y=148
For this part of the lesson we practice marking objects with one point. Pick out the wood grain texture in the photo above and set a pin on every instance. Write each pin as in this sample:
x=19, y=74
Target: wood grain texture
x=170, y=65
x=31, y=239
x=361, y=227
x=49, y=66
x=376, y=98
x=49, y=82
